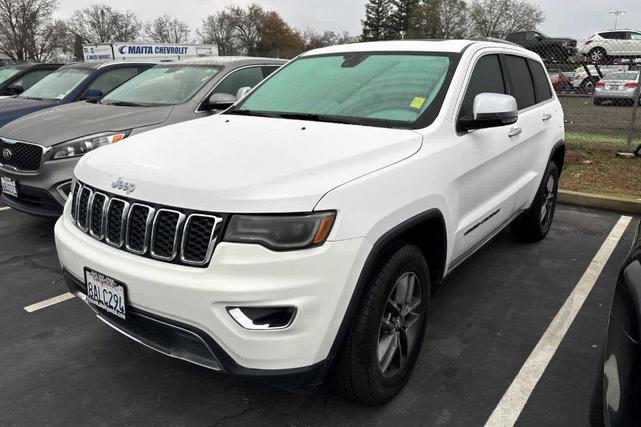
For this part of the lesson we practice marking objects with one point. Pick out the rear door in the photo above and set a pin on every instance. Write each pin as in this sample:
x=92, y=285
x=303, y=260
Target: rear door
x=486, y=165
x=531, y=135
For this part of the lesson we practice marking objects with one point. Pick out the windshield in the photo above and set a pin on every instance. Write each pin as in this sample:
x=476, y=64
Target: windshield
x=381, y=89
x=7, y=72
x=629, y=76
x=163, y=85
x=58, y=84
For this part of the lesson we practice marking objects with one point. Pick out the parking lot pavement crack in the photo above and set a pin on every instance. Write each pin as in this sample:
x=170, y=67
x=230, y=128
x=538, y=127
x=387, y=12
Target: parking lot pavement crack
x=240, y=414
x=29, y=261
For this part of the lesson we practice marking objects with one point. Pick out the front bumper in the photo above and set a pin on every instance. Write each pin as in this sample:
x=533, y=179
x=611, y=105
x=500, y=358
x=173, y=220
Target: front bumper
x=40, y=193
x=319, y=282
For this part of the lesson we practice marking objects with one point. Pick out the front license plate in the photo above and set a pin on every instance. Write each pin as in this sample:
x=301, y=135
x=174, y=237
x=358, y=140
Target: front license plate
x=9, y=186
x=105, y=293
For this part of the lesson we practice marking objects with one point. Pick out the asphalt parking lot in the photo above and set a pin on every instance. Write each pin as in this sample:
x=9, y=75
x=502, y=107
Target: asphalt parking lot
x=61, y=366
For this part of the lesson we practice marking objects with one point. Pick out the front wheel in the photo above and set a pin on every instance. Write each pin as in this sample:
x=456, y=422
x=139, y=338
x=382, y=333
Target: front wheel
x=380, y=350
x=598, y=55
x=534, y=224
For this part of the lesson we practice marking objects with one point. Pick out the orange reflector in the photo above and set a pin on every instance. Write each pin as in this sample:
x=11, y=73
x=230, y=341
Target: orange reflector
x=118, y=137
x=323, y=229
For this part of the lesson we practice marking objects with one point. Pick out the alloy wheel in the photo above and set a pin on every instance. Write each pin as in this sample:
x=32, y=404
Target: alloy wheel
x=549, y=200
x=400, y=323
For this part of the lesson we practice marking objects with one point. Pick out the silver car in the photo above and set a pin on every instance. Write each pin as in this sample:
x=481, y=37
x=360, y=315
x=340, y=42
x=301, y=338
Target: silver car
x=617, y=88
x=42, y=149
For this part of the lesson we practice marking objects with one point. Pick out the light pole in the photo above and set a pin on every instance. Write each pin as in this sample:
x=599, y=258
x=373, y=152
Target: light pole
x=616, y=14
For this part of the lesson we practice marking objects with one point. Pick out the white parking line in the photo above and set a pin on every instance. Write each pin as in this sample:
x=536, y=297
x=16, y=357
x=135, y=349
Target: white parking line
x=48, y=302
x=513, y=401
x=5, y=208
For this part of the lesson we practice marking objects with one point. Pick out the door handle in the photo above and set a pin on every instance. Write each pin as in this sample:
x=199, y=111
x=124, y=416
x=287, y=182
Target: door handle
x=546, y=117
x=514, y=132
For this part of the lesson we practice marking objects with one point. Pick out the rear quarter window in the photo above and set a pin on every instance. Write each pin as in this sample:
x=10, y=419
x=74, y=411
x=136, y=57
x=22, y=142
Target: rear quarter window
x=520, y=81
x=542, y=89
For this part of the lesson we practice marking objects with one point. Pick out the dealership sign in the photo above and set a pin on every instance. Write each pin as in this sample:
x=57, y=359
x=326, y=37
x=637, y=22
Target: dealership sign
x=108, y=51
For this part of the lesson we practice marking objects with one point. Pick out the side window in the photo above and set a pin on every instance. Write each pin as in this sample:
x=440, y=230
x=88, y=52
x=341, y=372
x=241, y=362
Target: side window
x=487, y=77
x=31, y=78
x=521, y=81
x=111, y=79
x=267, y=71
x=541, y=84
x=635, y=36
x=246, y=77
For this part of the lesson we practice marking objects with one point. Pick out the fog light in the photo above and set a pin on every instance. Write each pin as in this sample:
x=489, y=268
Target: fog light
x=263, y=318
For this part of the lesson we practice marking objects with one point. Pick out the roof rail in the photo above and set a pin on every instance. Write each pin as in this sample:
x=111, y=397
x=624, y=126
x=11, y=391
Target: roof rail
x=495, y=40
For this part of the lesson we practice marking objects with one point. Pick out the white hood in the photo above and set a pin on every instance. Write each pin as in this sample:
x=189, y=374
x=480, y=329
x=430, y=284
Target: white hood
x=243, y=164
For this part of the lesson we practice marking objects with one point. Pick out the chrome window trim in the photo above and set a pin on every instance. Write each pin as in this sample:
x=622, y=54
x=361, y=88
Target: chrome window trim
x=179, y=224
x=123, y=222
x=84, y=229
x=102, y=221
x=212, y=239
x=150, y=216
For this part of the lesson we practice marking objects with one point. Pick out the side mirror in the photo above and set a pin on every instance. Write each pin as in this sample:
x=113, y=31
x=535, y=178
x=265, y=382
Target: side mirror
x=14, y=90
x=92, y=94
x=242, y=92
x=220, y=101
x=490, y=110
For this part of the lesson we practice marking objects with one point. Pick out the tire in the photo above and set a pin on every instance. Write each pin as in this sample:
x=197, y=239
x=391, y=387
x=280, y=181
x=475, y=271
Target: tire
x=597, y=101
x=359, y=372
x=534, y=224
x=597, y=418
x=598, y=55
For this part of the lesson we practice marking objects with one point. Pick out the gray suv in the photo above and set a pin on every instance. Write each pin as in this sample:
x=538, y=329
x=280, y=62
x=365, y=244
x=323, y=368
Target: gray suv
x=44, y=147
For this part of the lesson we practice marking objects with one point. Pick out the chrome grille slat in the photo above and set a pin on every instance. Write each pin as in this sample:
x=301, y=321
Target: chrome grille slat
x=161, y=233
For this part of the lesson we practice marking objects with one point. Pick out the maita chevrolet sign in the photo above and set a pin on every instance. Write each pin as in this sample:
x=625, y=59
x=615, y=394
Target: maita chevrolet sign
x=105, y=52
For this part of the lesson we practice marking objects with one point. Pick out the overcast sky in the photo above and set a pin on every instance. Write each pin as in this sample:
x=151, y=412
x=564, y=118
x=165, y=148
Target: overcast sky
x=575, y=18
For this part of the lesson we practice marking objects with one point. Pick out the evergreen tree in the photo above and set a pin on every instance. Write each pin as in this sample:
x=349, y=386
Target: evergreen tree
x=401, y=15
x=376, y=25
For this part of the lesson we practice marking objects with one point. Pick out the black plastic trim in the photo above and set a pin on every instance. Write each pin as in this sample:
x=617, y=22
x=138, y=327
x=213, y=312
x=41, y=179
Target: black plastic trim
x=291, y=379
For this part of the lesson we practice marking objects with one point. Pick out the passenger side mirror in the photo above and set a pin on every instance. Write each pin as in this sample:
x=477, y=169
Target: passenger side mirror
x=242, y=92
x=490, y=110
x=92, y=94
x=220, y=101
x=14, y=90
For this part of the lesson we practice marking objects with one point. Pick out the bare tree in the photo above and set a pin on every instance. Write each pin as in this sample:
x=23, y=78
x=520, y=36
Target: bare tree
x=99, y=23
x=247, y=22
x=498, y=18
x=219, y=29
x=453, y=17
x=27, y=29
x=314, y=40
x=166, y=30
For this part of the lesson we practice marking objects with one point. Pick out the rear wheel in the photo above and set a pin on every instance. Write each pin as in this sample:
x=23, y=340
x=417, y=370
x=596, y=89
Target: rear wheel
x=534, y=224
x=598, y=55
x=380, y=350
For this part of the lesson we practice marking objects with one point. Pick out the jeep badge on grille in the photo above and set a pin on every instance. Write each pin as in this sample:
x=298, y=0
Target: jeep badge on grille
x=119, y=184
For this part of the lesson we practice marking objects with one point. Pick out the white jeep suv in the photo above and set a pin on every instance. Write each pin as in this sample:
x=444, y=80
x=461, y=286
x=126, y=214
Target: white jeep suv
x=302, y=232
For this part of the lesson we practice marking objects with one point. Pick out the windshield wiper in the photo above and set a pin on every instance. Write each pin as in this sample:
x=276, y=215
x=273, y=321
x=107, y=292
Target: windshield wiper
x=32, y=97
x=299, y=116
x=126, y=104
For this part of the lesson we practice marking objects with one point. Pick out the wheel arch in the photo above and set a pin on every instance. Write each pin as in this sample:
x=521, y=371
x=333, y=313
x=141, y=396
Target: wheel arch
x=428, y=231
x=558, y=155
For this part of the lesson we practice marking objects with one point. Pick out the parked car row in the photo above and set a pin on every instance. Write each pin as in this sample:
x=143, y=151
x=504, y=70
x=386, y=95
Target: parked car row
x=46, y=130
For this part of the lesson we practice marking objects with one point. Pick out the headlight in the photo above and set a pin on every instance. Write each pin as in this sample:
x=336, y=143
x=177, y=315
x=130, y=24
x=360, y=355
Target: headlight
x=81, y=146
x=281, y=232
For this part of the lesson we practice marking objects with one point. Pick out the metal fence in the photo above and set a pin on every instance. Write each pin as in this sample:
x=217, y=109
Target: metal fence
x=598, y=83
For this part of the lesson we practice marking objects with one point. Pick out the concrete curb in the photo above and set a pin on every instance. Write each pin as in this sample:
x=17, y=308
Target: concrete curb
x=616, y=204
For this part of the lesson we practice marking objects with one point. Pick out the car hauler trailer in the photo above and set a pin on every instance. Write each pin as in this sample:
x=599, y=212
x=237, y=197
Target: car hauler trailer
x=138, y=51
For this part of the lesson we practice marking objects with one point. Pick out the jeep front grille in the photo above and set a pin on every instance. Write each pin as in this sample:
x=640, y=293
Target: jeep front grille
x=21, y=156
x=153, y=231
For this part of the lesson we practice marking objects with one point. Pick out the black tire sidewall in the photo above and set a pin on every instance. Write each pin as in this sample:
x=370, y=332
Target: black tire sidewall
x=408, y=258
